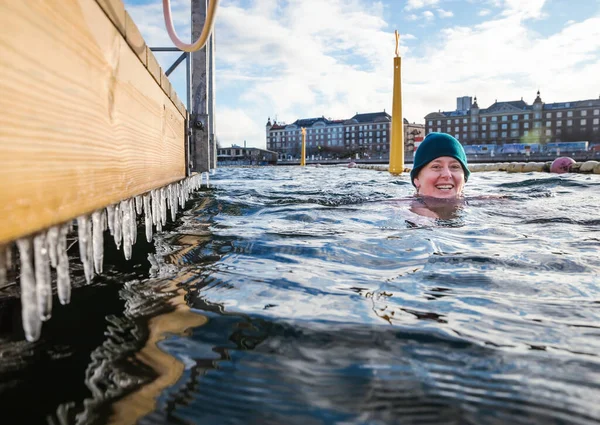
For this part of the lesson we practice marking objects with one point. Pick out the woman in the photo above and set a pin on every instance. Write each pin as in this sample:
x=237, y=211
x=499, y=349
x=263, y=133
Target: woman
x=439, y=174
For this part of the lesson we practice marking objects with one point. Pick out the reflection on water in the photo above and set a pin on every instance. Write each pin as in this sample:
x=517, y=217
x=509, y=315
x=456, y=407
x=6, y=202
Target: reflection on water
x=320, y=296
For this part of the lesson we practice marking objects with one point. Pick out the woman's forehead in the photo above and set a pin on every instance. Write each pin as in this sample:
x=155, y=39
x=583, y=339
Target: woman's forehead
x=448, y=159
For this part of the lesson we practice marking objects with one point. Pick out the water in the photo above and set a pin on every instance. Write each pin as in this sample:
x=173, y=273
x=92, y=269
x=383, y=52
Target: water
x=318, y=297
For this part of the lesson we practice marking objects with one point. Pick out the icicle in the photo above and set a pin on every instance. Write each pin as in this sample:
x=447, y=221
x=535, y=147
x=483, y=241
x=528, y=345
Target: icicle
x=207, y=180
x=42, y=276
x=51, y=242
x=98, y=227
x=148, y=217
x=118, y=226
x=32, y=325
x=63, y=280
x=172, y=202
x=86, y=253
x=133, y=222
x=156, y=214
x=138, y=204
x=3, y=251
x=126, y=223
x=154, y=207
x=110, y=212
x=181, y=194
x=9, y=259
x=163, y=206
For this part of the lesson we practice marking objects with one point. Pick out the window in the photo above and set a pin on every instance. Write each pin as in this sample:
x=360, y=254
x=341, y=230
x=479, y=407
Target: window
x=493, y=134
x=583, y=122
x=484, y=119
x=595, y=121
x=558, y=123
x=438, y=129
x=439, y=122
x=526, y=133
x=514, y=133
x=584, y=113
x=569, y=113
x=456, y=121
x=464, y=128
x=526, y=116
x=569, y=122
x=515, y=117
x=559, y=115
x=464, y=120
x=514, y=125
x=429, y=131
x=473, y=119
x=504, y=126
x=504, y=118
x=494, y=119
x=456, y=135
x=456, y=128
x=548, y=132
x=558, y=131
x=483, y=127
x=504, y=134
x=473, y=135
x=537, y=116
x=537, y=124
x=548, y=114
x=482, y=135
x=548, y=123
x=474, y=128
x=596, y=111
x=493, y=126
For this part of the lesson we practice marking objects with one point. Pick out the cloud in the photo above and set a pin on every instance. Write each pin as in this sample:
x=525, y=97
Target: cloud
x=445, y=13
x=428, y=15
x=484, y=12
x=307, y=58
x=412, y=17
x=419, y=4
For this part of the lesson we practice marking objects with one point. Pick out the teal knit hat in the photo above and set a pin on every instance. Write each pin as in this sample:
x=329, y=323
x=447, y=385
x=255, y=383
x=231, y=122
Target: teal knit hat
x=434, y=146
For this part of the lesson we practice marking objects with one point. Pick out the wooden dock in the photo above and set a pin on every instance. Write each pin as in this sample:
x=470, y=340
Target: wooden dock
x=88, y=117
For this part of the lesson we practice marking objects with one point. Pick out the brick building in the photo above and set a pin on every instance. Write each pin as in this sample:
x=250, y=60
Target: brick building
x=518, y=122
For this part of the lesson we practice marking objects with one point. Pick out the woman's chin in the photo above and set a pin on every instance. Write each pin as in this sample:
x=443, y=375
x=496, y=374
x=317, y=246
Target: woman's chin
x=442, y=194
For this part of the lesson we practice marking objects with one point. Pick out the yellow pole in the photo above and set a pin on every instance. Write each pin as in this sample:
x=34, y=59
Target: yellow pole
x=303, y=154
x=397, y=137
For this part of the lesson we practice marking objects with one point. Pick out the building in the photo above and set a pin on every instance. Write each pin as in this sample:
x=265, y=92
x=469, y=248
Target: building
x=366, y=135
x=518, y=122
x=237, y=155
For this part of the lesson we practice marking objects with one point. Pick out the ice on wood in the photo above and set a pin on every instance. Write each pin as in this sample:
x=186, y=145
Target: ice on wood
x=49, y=249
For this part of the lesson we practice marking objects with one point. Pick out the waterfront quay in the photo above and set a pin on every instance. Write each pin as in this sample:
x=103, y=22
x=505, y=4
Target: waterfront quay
x=473, y=159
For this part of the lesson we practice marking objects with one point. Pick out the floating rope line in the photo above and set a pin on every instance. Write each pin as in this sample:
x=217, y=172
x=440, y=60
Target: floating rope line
x=206, y=30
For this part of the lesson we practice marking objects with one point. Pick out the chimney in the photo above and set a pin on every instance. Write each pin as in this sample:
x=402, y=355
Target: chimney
x=244, y=143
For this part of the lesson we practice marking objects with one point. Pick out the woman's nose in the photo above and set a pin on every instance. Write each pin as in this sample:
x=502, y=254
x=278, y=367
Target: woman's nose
x=446, y=172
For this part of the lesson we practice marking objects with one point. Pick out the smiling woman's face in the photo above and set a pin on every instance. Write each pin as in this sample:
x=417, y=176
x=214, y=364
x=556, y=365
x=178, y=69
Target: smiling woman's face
x=443, y=177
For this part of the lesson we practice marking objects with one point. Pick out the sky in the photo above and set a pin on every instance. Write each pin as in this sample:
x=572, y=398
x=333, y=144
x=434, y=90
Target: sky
x=292, y=59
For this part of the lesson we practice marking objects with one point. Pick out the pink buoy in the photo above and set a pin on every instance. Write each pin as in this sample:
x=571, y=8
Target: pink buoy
x=561, y=165
x=352, y=164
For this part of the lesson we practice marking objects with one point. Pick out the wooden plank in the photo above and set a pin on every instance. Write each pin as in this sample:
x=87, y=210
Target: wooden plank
x=134, y=39
x=115, y=10
x=83, y=124
x=153, y=66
